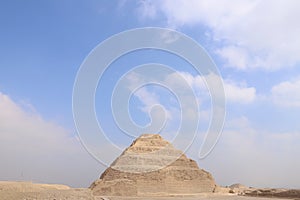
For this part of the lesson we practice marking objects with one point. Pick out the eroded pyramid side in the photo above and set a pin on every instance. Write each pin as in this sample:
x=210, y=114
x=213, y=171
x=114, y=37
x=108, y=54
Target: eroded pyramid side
x=151, y=166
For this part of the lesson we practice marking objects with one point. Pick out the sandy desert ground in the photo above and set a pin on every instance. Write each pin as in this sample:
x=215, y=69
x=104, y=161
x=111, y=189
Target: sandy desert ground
x=31, y=191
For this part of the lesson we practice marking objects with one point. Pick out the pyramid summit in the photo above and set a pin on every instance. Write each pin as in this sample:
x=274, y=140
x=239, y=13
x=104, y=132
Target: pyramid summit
x=149, y=152
x=151, y=166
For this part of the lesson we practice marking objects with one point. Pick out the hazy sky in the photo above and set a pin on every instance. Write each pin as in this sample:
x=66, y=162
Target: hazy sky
x=255, y=45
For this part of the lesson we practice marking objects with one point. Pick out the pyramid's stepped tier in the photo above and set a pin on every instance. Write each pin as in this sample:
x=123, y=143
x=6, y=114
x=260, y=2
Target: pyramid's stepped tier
x=143, y=163
x=150, y=167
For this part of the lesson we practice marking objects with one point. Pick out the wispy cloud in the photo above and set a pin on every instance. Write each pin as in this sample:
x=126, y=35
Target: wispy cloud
x=247, y=34
x=253, y=157
x=146, y=97
x=39, y=150
x=286, y=93
x=239, y=93
x=235, y=92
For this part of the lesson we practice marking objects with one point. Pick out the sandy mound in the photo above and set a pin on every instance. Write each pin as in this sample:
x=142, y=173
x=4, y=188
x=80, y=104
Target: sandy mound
x=29, y=186
x=31, y=191
x=278, y=193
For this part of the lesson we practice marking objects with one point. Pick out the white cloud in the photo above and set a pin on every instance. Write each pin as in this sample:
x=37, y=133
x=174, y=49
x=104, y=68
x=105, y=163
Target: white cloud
x=249, y=34
x=234, y=92
x=234, y=56
x=147, y=10
x=253, y=157
x=146, y=97
x=286, y=93
x=32, y=148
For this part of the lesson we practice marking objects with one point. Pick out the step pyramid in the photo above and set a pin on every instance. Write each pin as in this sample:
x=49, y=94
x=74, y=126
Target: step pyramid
x=151, y=166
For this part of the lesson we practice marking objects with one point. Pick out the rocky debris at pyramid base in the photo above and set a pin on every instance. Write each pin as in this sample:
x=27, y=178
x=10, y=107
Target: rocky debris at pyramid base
x=151, y=166
x=274, y=193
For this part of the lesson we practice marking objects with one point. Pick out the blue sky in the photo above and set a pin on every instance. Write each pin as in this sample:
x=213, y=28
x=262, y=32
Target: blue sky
x=254, y=44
